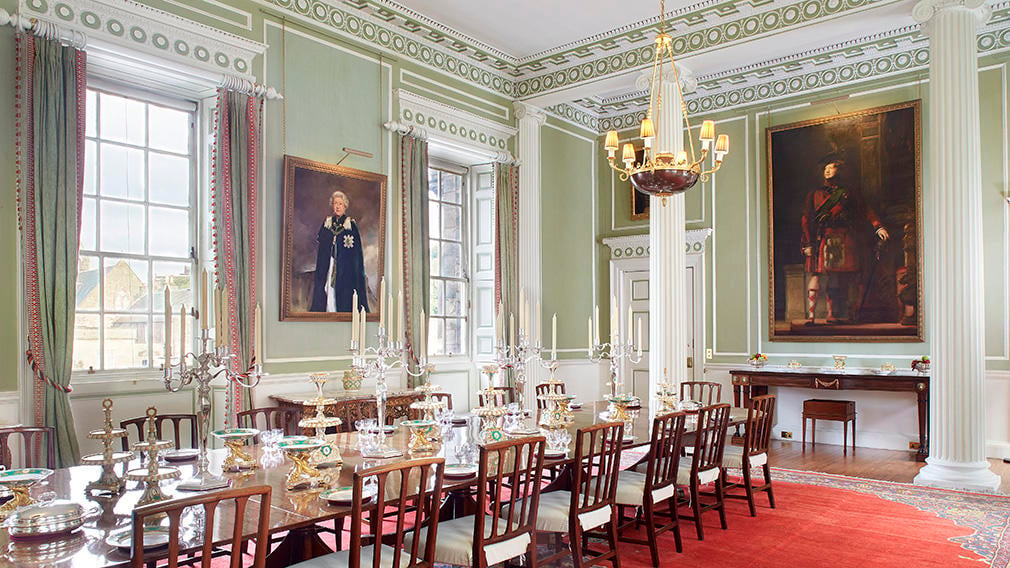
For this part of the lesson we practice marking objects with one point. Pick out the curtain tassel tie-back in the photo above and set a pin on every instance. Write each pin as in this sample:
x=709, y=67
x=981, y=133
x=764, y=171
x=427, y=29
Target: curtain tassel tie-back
x=37, y=370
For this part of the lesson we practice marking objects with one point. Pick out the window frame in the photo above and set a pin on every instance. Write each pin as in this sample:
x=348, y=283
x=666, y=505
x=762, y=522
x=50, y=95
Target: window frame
x=198, y=215
x=466, y=246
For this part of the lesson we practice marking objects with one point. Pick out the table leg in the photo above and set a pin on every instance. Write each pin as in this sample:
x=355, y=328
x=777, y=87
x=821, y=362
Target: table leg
x=298, y=545
x=922, y=397
x=736, y=395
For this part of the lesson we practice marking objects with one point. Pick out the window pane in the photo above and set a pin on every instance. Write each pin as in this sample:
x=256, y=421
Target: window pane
x=122, y=120
x=435, y=256
x=91, y=113
x=125, y=341
x=169, y=232
x=87, y=341
x=433, y=184
x=451, y=184
x=454, y=329
x=454, y=298
x=452, y=222
x=437, y=307
x=90, y=167
x=452, y=260
x=123, y=227
x=169, y=179
x=122, y=172
x=434, y=213
x=179, y=279
x=436, y=336
x=89, y=295
x=125, y=283
x=89, y=224
x=169, y=129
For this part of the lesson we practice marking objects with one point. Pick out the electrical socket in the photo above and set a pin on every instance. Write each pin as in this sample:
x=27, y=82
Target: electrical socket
x=708, y=354
x=913, y=445
x=787, y=434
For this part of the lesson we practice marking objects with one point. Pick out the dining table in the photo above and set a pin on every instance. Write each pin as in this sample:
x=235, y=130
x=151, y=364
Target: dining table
x=296, y=516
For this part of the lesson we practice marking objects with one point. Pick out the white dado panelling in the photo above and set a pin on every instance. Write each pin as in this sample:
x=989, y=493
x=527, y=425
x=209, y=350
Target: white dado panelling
x=886, y=420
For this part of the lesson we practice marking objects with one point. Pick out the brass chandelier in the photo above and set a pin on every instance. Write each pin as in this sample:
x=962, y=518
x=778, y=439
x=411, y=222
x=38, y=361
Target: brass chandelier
x=661, y=173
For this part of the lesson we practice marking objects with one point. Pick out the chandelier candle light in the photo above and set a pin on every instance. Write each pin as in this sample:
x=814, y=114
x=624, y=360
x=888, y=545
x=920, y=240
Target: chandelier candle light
x=203, y=367
x=389, y=352
x=661, y=173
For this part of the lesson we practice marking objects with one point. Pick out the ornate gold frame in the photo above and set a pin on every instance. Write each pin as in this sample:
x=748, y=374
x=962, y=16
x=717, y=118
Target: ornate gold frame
x=917, y=126
x=290, y=164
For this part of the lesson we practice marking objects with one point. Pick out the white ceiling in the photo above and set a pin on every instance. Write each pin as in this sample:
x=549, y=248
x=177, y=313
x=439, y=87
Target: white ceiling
x=521, y=28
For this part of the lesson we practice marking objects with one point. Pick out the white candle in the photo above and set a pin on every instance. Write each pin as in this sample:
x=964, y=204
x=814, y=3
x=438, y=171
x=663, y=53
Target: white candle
x=596, y=325
x=537, y=327
x=258, y=334
x=399, y=316
x=382, y=300
x=639, y=343
x=630, y=324
x=589, y=336
x=423, y=340
x=168, y=329
x=554, y=337
x=362, y=320
x=354, y=317
x=512, y=328
x=205, y=314
x=389, y=316
x=182, y=333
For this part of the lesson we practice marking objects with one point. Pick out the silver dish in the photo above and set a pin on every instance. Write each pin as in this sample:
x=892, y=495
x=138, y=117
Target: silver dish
x=39, y=553
x=55, y=517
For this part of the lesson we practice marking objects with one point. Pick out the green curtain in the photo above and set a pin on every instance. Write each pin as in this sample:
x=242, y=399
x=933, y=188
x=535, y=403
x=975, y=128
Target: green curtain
x=506, y=178
x=236, y=149
x=416, y=268
x=50, y=119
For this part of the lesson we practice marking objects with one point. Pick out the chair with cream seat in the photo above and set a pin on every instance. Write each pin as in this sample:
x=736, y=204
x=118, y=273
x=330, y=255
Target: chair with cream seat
x=590, y=505
x=508, y=479
x=754, y=452
x=705, y=466
x=412, y=485
x=646, y=492
x=705, y=392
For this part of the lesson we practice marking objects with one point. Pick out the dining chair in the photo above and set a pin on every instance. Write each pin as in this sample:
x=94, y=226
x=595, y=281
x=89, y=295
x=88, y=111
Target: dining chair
x=658, y=485
x=548, y=388
x=705, y=466
x=508, y=480
x=413, y=488
x=754, y=452
x=177, y=421
x=590, y=505
x=37, y=449
x=705, y=392
x=225, y=502
x=271, y=418
x=503, y=397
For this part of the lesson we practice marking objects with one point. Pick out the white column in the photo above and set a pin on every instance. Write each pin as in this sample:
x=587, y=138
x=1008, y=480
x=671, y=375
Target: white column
x=953, y=250
x=531, y=119
x=668, y=348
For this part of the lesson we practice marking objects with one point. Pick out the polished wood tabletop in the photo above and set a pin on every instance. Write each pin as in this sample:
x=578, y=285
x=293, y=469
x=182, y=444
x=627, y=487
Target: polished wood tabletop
x=289, y=510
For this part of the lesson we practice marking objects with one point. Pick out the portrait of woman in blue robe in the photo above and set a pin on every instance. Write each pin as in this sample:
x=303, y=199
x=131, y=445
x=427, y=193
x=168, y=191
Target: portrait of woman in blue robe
x=340, y=265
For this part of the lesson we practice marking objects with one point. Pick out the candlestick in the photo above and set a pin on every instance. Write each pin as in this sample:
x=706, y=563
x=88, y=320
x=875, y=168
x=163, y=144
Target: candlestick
x=382, y=301
x=639, y=342
x=512, y=329
x=354, y=316
x=630, y=323
x=596, y=324
x=258, y=334
x=168, y=328
x=554, y=337
x=182, y=333
x=424, y=335
x=204, y=319
x=589, y=335
x=399, y=316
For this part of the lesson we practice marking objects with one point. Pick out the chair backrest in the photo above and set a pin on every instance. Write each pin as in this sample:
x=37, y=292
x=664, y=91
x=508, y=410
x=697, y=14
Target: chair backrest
x=548, y=388
x=509, y=475
x=705, y=392
x=597, y=463
x=414, y=487
x=38, y=446
x=664, y=451
x=710, y=438
x=503, y=396
x=234, y=501
x=159, y=421
x=271, y=418
x=759, y=424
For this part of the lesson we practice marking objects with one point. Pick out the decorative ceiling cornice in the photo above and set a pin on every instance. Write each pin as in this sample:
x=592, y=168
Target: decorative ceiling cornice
x=452, y=123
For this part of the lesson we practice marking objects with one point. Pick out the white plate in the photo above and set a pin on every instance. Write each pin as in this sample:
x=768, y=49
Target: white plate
x=181, y=455
x=461, y=470
x=555, y=454
x=345, y=495
x=154, y=537
x=24, y=475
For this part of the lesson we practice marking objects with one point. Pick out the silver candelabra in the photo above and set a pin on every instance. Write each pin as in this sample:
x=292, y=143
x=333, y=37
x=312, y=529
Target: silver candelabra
x=387, y=354
x=203, y=367
x=517, y=357
x=617, y=351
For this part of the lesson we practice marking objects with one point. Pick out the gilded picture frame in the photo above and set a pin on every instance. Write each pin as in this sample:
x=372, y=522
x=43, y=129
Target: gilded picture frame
x=844, y=227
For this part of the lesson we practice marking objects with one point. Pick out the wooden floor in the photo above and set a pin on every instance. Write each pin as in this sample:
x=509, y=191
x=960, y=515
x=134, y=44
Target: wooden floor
x=885, y=465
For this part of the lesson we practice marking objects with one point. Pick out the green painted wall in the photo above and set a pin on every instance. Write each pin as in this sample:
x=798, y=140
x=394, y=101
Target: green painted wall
x=734, y=203
x=10, y=302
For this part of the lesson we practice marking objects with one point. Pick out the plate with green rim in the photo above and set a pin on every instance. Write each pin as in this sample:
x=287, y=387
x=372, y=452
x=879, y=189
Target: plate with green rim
x=235, y=433
x=345, y=495
x=154, y=537
x=24, y=475
x=300, y=444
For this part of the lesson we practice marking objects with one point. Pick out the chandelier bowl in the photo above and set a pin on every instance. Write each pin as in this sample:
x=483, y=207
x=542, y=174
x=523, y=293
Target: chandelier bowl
x=663, y=181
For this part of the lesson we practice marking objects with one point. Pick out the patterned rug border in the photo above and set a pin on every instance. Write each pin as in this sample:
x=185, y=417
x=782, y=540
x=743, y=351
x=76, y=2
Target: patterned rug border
x=987, y=514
